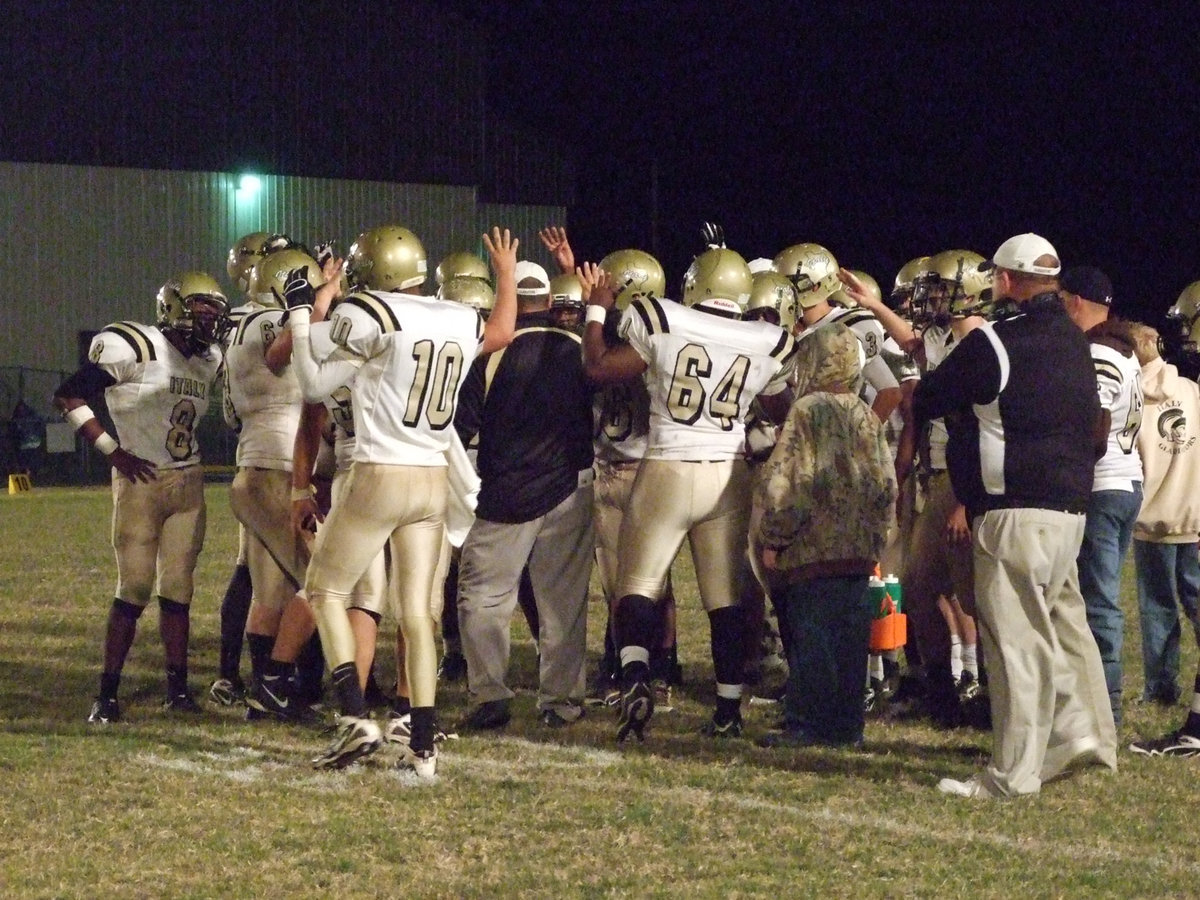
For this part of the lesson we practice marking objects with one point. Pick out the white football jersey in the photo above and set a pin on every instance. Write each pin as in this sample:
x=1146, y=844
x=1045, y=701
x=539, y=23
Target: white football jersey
x=876, y=372
x=939, y=341
x=703, y=371
x=266, y=404
x=160, y=395
x=621, y=413
x=337, y=399
x=1119, y=381
x=416, y=352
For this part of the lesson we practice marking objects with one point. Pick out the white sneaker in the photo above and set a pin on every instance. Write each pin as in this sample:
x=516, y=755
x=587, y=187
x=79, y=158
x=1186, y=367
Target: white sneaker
x=421, y=764
x=355, y=739
x=972, y=787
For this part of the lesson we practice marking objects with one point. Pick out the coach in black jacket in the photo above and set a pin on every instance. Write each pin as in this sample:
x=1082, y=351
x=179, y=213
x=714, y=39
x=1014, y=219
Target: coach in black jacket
x=532, y=409
x=1025, y=433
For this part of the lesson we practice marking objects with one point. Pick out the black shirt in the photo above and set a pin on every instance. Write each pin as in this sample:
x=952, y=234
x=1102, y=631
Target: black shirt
x=1022, y=412
x=531, y=407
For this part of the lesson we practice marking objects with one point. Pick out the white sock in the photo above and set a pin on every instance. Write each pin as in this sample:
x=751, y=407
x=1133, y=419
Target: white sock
x=956, y=657
x=970, y=660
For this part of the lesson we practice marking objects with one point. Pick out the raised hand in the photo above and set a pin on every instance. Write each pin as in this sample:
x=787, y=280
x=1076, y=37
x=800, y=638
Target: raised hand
x=714, y=236
x=555, y=240
x=597, y=285
x=502, y=248
x=297, y=292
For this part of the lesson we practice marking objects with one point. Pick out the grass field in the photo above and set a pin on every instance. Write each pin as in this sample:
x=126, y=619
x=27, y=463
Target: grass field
x=209, y=806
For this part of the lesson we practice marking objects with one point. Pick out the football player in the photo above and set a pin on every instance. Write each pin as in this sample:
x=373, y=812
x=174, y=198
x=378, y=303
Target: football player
x=264, y=397
x=156, y=381
x=414, y=352
x=621, y=413
x=813, y=271
x=702, y=367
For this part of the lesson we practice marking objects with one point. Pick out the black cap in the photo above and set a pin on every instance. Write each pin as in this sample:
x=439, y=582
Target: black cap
x=1089, y=283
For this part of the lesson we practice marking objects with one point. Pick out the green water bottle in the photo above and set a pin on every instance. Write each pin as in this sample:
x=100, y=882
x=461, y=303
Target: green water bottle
x=892, y=586
x=877, y=591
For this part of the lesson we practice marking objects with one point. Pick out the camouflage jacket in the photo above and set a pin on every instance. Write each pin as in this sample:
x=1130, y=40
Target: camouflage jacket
x=827, y=493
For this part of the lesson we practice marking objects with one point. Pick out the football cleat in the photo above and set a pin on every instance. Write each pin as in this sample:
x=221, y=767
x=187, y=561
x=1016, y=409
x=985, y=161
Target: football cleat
x=968, y=686
x=398, y=730
x=453, y=667
x=181, y=702
x=421, y=763
x=272, y=697
x=637, y=706
x=104, y=711
x=1175, y=744
x=730, y=728
x=227, y=692
x=355, y=739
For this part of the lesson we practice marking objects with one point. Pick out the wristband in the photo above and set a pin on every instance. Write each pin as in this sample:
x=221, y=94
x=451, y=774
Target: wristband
x=105, y=444
x=302, y=493
x=77, y=416
x=595, y=313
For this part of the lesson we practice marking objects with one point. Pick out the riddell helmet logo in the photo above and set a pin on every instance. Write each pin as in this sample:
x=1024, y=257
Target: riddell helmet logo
x=1173, y=429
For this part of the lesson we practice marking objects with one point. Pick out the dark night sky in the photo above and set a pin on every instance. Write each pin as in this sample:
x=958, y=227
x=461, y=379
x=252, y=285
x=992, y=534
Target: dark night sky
x=882, y=130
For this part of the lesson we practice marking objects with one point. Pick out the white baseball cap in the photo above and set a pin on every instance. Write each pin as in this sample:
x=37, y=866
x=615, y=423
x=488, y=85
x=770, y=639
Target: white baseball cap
x=526, y=269
x=1020, y=254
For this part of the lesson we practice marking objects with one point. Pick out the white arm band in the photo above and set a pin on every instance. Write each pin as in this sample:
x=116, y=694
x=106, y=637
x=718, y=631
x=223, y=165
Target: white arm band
x=106, y=444
x=80, y=414
x=596, y=313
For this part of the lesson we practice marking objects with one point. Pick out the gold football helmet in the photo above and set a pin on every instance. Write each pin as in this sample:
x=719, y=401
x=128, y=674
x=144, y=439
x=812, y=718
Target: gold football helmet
x=906, y=280
x=841, y=298
x=459, y=264
x=469, y=291
x=242, y=256
x=772, y=291
x=951, y=285
x=387, y=258
x=812, y=270
x=1184, y=315
x=718, y=280
x=272, y=270
x=635, y=273
x=566, y=290
x=177, y=309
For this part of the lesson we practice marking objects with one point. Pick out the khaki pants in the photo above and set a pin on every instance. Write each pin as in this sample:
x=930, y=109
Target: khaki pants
x=1048, y=694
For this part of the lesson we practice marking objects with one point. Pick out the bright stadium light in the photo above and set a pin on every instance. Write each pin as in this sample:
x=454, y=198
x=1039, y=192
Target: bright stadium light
x=248, y=186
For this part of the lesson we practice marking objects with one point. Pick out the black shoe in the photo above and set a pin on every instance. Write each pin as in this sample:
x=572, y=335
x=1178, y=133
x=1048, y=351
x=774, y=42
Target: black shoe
x=487, y=716
x=968, y=686
x=271, y=698
x=723, y=728
x=637, y=706
x=551, y=718
x=104, y=711
x=227, y=692
x=453, y=667
x=181, y=702
x=1177, y=743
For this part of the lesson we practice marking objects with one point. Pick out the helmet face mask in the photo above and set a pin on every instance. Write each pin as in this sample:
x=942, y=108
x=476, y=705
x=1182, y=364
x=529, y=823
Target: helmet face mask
x=952, y=287
x=1184, y=315
x=906, y=278
x=634, y=274
x=387, y=258
x=192, y=305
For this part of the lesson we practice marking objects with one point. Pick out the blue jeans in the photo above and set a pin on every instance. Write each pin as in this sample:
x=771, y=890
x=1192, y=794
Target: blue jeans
x=1164, y=572
x=1106, y=537
x=830, y=624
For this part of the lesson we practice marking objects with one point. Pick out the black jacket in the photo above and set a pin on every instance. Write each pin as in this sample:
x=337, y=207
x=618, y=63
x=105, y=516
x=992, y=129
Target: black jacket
x=1022, y=412
x=532, y=410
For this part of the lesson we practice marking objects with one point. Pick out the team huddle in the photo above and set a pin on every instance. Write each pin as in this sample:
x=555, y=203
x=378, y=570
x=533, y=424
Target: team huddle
x=449, y=457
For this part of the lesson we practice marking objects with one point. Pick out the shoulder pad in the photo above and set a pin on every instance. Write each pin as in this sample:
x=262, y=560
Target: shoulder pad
x=653, y=316
x=374, y=306
x=137, y=337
